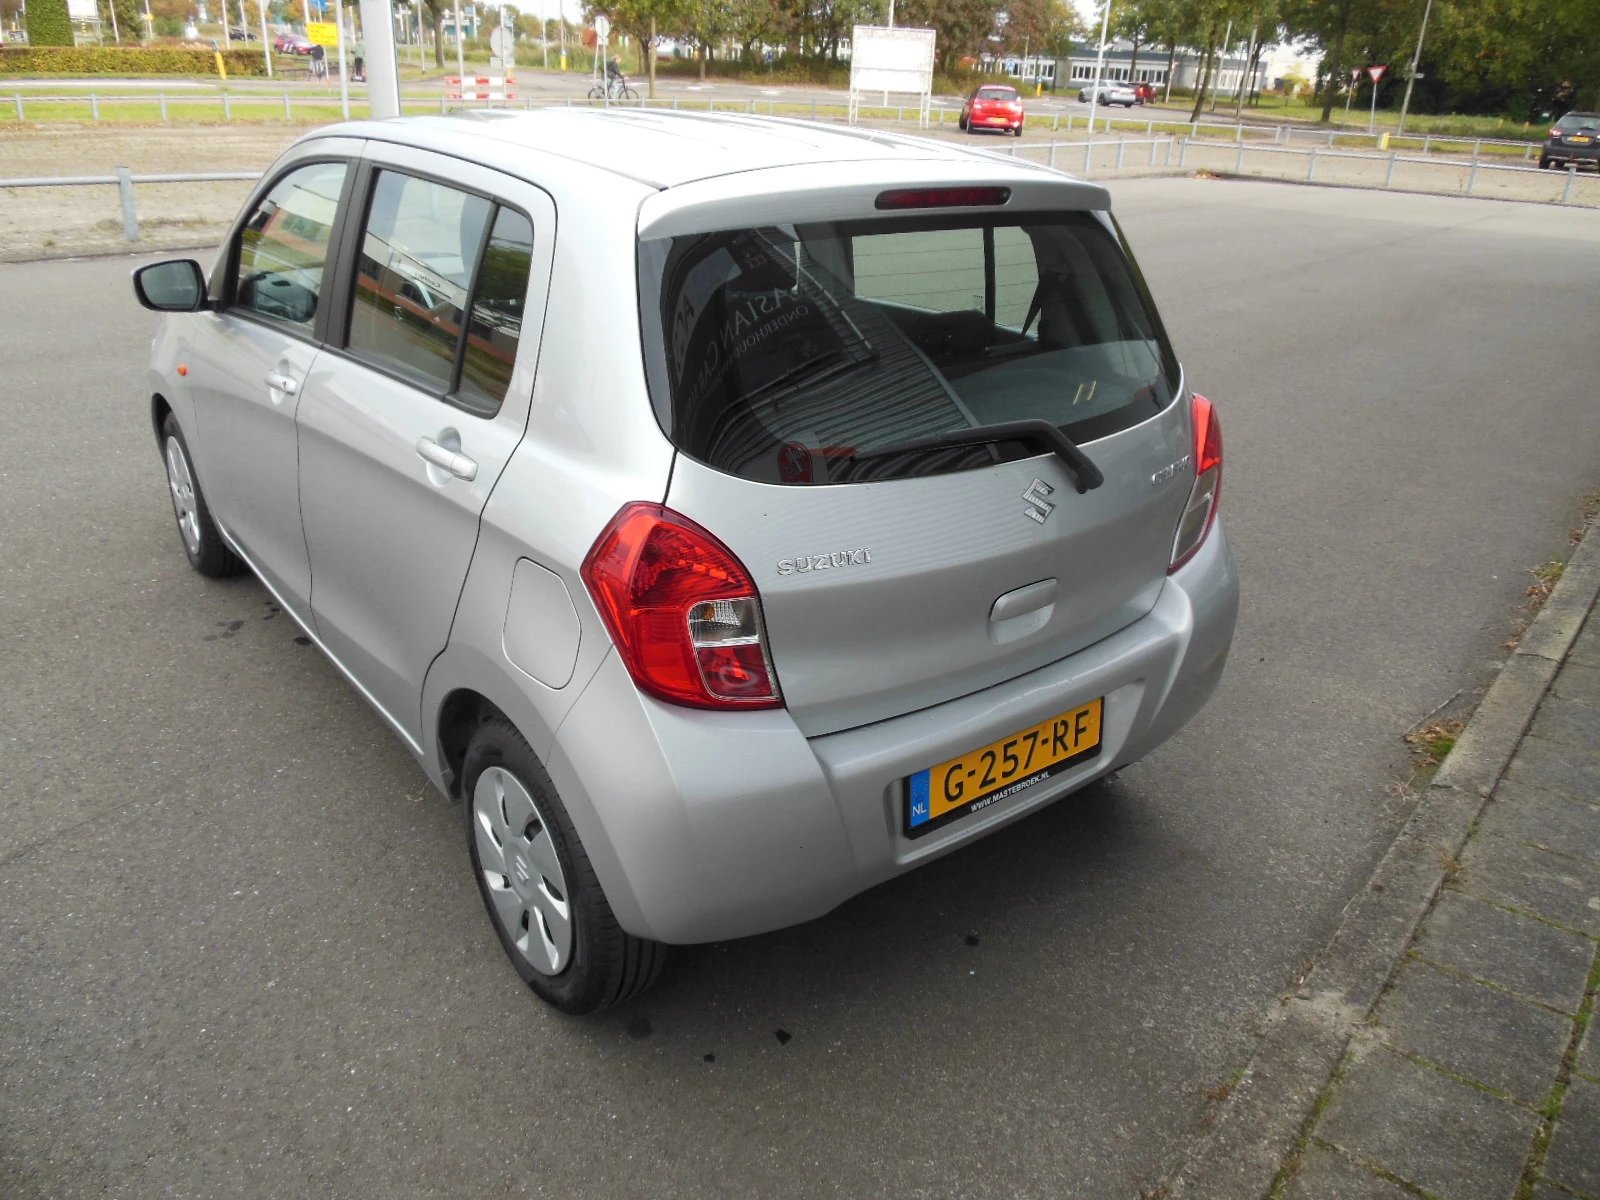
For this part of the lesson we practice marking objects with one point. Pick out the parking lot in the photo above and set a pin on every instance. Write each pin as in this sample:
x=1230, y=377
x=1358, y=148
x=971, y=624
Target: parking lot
x=240, y=953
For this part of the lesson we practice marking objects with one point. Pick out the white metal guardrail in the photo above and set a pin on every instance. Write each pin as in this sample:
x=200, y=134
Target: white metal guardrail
x=1089, y=156
x=224, y=104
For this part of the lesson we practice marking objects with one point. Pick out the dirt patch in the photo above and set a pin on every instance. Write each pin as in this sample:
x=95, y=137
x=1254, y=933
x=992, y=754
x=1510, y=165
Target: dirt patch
x=48, y=221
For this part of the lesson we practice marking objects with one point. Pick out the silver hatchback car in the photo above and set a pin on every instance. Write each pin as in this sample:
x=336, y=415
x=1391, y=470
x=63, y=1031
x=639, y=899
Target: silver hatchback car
x=730, y=514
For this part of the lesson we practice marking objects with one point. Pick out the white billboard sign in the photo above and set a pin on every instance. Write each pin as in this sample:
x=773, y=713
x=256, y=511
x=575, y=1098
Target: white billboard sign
x=891, y=60
x=83, y=10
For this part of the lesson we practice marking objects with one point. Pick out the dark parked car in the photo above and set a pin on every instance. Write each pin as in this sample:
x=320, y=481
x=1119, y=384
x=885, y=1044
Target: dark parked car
x=1575, y=139
x=236, y=34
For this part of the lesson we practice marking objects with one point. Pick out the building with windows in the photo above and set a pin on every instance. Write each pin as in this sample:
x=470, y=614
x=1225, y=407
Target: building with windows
x=1122, y=65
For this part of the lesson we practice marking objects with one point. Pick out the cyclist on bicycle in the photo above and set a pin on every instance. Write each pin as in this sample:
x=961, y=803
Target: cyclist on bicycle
x=615, y=79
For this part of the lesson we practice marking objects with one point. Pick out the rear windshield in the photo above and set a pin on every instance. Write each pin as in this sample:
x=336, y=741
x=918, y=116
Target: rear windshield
x=1578, y=121
x=791, y=353
x=997, y=93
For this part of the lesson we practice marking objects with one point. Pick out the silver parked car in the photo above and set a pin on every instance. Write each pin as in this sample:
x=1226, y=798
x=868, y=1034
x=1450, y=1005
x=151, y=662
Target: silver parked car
x=729, y=514
x=1110, y=93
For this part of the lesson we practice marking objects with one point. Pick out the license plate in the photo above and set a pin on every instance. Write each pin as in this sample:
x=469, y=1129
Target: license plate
x=1579, y=141
x=991, y=773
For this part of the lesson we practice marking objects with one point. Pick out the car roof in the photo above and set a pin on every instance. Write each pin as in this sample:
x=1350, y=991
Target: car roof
x=660, y=147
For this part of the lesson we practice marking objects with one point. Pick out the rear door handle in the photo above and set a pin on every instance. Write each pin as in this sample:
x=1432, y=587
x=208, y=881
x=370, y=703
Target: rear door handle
x=445, y=459
x=287, y=384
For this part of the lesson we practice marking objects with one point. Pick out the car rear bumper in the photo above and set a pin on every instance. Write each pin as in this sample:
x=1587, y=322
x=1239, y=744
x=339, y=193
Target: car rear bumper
x=704, y=826
x=1566, y=153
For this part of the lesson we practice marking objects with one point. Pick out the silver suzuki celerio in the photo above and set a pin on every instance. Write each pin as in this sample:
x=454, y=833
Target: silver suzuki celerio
x=729, y=513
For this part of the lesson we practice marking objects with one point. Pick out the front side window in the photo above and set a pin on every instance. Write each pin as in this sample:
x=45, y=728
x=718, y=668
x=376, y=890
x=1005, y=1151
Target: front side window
x=282, y=251
x=418, y=252
x=801, y=353
x=441, y=281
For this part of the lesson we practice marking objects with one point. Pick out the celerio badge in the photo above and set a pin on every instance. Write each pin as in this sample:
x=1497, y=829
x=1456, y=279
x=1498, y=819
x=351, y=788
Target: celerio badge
x=1038, y=507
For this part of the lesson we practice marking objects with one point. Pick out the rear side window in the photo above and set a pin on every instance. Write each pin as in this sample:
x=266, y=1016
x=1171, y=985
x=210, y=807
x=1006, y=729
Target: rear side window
x=441, y=281
x=283, y=249
x=792, y=353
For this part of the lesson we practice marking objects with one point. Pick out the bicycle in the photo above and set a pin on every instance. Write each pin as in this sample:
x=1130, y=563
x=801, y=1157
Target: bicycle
x=613, y=89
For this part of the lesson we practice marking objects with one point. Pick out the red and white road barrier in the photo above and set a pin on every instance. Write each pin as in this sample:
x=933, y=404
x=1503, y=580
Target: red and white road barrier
x=480, y=87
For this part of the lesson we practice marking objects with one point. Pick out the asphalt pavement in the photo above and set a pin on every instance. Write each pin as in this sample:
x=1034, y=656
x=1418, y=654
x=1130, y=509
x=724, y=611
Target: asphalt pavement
x=240, y=953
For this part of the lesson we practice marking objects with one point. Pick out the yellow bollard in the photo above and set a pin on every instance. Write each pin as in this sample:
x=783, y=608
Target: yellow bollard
x=222, y=69
x=1383, y=142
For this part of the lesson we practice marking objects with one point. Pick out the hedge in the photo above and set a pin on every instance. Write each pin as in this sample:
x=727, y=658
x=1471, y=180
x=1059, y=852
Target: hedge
x=125, y=60
x=48, y=23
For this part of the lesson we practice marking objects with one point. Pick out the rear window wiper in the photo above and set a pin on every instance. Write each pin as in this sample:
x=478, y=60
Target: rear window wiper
x=1036, y=432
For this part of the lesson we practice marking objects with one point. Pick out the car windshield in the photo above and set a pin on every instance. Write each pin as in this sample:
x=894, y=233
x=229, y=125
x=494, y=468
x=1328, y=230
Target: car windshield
x=794, y=353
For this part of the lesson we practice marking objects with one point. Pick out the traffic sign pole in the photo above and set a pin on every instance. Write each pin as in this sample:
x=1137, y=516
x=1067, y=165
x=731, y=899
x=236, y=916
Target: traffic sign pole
x=1376, y=74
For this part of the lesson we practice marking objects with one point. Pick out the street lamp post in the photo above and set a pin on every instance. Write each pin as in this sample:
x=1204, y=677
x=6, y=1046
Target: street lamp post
x=1416, y=57
x=1099, y=68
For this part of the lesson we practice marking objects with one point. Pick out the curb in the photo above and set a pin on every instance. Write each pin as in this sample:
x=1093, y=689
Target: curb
x=1303, y=1037
x=111, y=249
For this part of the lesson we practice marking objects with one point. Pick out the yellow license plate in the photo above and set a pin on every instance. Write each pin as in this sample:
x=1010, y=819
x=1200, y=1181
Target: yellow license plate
x=991, y=773
x=1579, y=141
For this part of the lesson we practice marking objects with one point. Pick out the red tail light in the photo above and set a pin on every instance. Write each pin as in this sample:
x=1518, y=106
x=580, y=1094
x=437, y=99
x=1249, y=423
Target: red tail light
x=1201, y=510
x=684, y=613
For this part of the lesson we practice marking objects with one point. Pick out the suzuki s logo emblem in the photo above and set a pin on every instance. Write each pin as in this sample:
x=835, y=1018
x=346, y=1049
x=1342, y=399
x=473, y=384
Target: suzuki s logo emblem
x=521, y=867
x=1038, y=507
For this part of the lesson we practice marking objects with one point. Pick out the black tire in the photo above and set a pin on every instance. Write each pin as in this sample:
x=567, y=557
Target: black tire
x=207, y=552
x=1017, y=132
x=629, y=94
x=1544, y=163
x=597, y=92
x=607, y=965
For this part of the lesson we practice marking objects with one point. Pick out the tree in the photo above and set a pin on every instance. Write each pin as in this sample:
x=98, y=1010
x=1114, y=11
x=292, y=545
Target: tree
x=436, y=10
x=644, y=20
x=124, y=18
x=48, y=23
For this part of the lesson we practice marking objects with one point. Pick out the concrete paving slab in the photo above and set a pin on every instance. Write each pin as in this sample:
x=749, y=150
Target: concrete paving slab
x=1578, y=680
x=1520, y=954
x=1453, y=1140
x=1570, y=721
x=1586, y=650
x=1475, y=1031
x=1559, y=767
x=1588, y=1061
x=1326, y=1174
x=1574, y=1157
x=1551, y=886
x=1549, y=820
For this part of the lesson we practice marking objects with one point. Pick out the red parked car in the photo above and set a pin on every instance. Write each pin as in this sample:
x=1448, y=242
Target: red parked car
x=992, y=106
x=292, y=43
x=1143, y=93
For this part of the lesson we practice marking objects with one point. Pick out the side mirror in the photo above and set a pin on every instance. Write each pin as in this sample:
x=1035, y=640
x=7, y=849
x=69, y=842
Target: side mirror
x=177, y=285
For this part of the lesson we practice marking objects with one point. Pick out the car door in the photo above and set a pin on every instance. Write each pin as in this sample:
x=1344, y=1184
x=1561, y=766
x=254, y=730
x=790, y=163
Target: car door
x=414, y=408
x=250, y=357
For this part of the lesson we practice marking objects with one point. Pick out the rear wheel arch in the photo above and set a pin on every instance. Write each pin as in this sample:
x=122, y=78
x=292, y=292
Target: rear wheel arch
x=460, y=716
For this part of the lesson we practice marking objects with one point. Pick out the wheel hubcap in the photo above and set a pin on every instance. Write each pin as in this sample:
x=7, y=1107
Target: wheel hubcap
x=521, y=871
x=181, y=484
